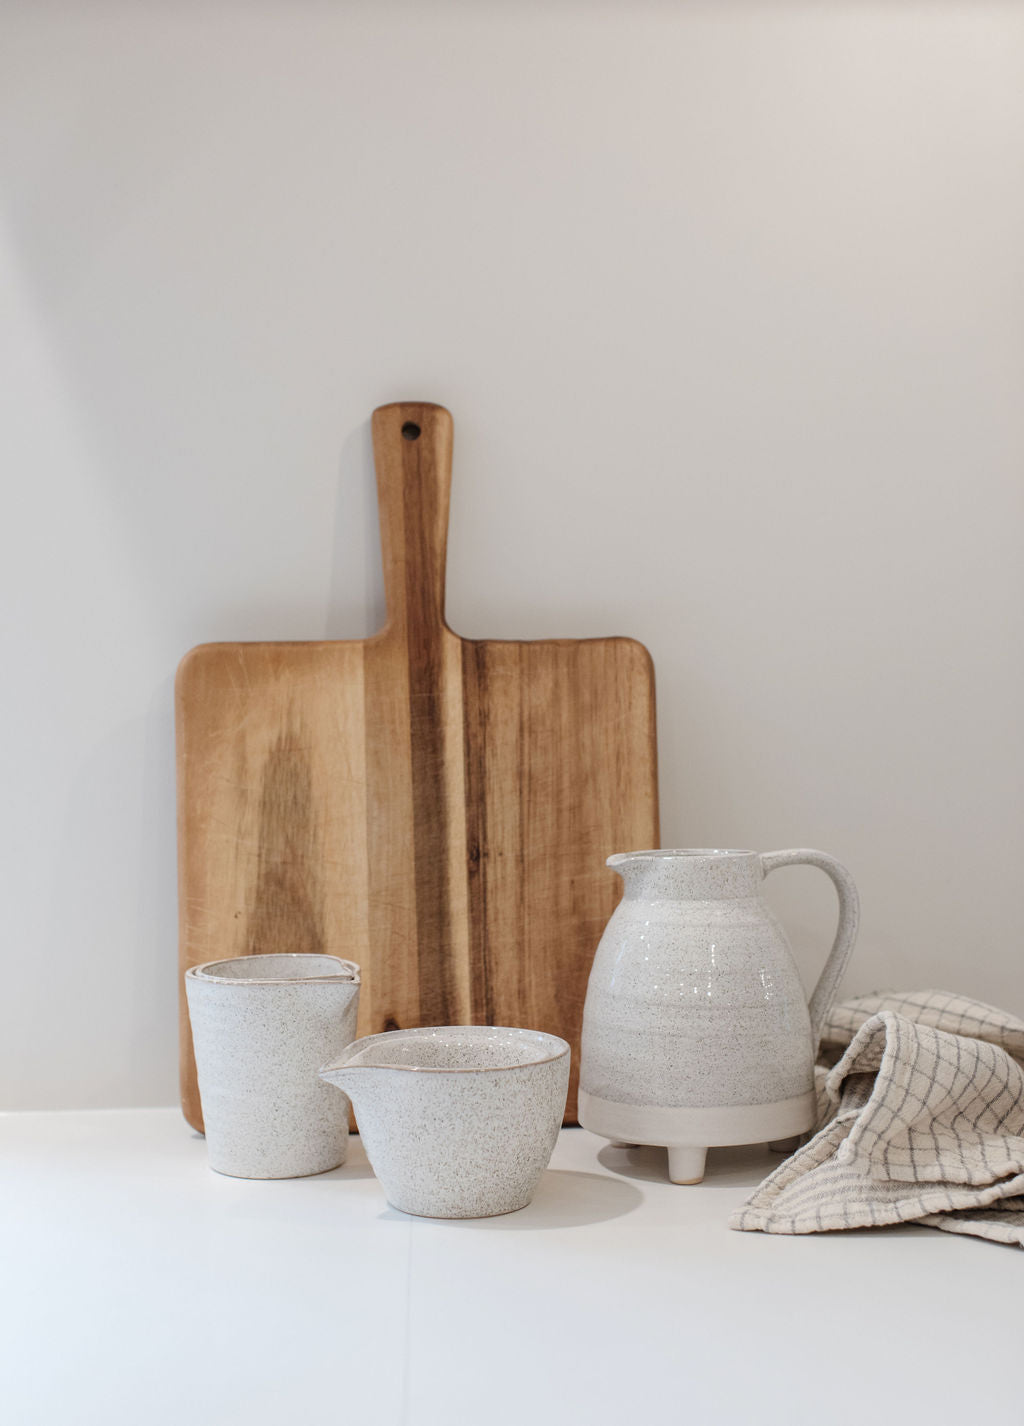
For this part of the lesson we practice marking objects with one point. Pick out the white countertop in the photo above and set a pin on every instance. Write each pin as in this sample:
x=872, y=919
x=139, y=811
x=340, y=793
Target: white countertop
x=138, y=1287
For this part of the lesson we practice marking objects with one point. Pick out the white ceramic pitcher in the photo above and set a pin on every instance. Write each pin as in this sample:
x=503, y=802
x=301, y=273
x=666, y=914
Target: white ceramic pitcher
x=695, y=1028
x=262, y=1026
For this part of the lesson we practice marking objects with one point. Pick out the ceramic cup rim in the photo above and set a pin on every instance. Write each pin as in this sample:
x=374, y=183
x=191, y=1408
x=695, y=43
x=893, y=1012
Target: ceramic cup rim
x=417, y=1032
x=205, y=972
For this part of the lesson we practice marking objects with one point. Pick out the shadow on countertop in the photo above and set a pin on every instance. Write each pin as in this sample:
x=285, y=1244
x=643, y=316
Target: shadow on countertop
x=565, y=1198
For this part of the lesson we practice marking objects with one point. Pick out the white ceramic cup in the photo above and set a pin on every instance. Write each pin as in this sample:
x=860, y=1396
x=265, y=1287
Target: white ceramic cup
x=262, y=1026
x=458, y=1121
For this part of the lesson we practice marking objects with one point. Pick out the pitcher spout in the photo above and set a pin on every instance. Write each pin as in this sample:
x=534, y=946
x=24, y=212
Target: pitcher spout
x=348, y=993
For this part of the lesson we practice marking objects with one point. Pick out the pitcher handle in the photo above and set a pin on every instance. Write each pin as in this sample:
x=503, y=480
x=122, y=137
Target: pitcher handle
x=846, y=931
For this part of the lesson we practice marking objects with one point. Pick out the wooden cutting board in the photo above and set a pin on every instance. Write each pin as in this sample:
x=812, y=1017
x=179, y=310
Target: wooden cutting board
x=438, y=809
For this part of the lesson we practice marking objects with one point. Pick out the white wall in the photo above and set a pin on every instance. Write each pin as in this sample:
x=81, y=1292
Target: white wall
x=727, y=303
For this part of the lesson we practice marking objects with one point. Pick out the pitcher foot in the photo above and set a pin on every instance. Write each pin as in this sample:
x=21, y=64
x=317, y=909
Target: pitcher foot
x=686, y=1164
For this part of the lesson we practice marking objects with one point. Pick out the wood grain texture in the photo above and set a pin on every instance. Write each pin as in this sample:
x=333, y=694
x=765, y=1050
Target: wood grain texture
x=438, y=809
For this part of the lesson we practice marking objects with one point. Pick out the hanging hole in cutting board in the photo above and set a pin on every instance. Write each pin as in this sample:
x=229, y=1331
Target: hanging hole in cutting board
x=411, y=431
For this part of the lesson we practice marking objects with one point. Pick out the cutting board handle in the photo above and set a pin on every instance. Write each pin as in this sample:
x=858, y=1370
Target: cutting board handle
x=412, y=446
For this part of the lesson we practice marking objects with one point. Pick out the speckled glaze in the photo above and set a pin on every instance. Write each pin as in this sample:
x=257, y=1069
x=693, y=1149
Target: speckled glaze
x=695, y=1029
x=458, y=1121
x=262, y=1026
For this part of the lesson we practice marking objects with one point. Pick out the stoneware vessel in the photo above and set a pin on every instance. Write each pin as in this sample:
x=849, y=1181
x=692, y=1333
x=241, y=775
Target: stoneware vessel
x=458, y=1121
x=695, y=1028
x=262, y=1026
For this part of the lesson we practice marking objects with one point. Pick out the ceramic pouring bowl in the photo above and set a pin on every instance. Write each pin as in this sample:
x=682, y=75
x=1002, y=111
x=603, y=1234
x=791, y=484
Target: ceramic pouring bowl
x=458, y=1121
x=262, y=1026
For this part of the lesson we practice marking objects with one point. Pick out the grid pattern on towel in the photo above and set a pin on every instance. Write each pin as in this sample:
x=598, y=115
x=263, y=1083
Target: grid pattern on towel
x=940, y=1009
x=922, y=1121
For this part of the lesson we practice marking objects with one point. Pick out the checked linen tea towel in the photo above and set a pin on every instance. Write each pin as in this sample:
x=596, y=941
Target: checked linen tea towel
x=921, y=1121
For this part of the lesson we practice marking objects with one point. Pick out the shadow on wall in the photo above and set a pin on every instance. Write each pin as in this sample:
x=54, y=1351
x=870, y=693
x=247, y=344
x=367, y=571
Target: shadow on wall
x=357, y=477
x=110, y=932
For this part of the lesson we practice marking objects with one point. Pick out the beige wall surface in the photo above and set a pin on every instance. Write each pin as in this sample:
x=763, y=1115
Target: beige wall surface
x=727, y=302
